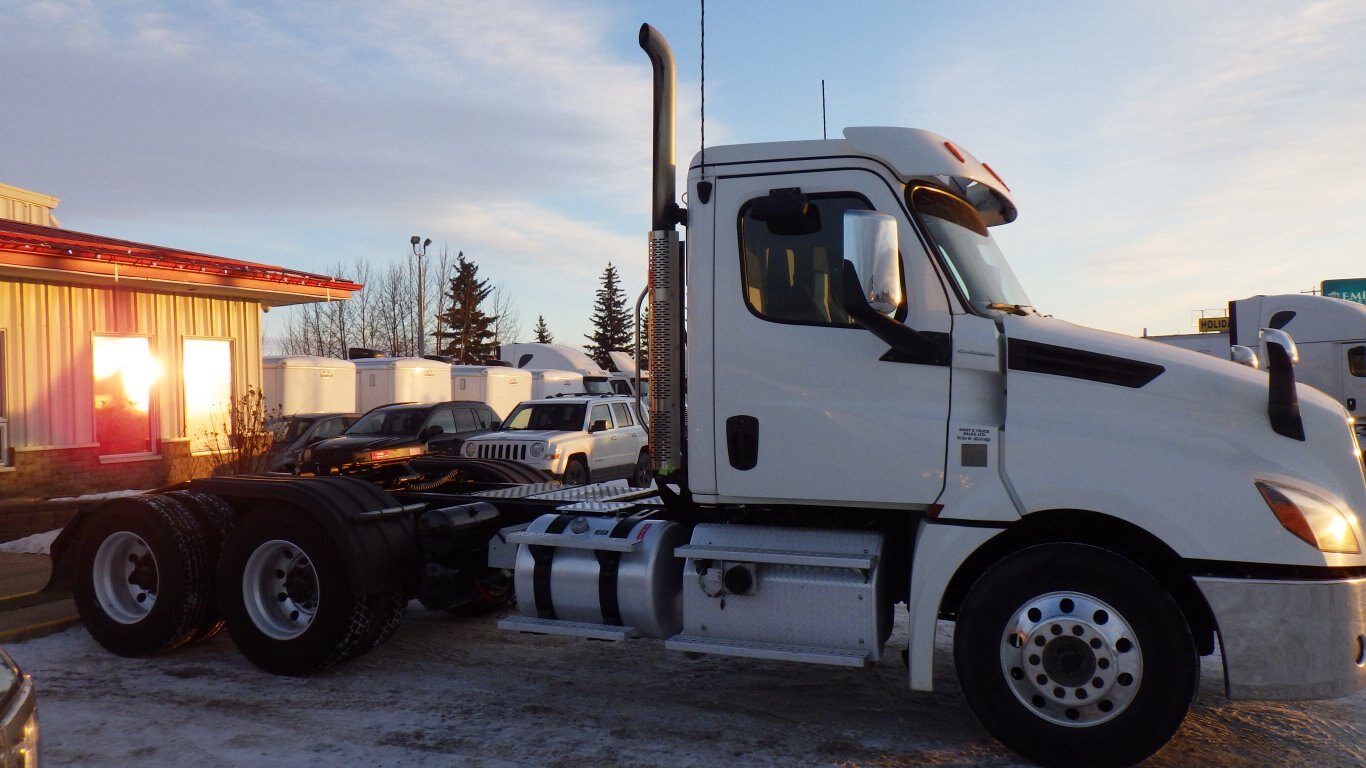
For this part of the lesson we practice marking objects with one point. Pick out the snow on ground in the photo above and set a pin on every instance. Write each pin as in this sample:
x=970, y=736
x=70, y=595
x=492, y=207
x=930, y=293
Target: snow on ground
x=37, y=544
x=459, y=692
x=97, y=496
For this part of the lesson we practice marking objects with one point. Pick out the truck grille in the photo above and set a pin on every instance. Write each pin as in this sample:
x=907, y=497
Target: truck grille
x=514, y=451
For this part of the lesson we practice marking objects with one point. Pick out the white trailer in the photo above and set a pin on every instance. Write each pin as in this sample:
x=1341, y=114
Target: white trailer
x=385, y=380
x=307, y=384
x=502, y=388
x=871, y=416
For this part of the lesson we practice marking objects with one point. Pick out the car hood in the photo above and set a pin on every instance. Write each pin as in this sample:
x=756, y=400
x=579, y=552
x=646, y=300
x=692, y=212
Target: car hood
x=524, y=434
x=359, y=443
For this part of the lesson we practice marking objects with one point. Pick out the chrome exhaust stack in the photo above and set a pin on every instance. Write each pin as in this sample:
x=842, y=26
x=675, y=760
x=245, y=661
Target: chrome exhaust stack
x=666, y=275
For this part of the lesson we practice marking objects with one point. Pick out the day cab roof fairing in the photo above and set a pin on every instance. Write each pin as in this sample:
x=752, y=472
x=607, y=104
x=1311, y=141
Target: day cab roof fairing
x=910, y=153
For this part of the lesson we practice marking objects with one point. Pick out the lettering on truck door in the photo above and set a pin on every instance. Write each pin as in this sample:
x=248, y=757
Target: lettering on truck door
x=804, y=384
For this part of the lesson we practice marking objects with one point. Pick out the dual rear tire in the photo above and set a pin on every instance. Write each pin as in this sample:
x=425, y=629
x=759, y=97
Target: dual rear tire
x=289, y=605
x=158, y=571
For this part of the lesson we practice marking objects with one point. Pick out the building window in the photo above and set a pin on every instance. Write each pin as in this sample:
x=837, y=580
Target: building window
x=207, y=377
x=125, y=372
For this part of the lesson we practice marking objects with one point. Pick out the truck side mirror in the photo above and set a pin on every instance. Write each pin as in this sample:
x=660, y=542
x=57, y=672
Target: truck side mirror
x=1243, y=356
x=1282, y=404
x=870, y=243
x=1273, y=336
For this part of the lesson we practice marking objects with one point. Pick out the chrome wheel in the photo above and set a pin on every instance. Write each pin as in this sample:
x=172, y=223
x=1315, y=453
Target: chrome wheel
x=280, y=590
x=124, y=577
x=1071, y=658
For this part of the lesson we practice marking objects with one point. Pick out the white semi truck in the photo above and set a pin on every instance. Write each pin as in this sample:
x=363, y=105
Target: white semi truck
x=854, y=411
x=1329, y=333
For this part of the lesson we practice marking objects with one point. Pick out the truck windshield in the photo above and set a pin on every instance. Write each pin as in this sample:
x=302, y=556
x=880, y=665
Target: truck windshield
x=597, y=385
x=561, y=417
x=974, y=262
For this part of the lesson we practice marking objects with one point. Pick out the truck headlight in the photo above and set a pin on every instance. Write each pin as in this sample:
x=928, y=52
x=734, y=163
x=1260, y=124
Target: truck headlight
x=1315, y=520
x=536, y=451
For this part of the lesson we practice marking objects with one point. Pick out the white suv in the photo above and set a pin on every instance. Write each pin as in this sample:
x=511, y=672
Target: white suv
x=576, y=438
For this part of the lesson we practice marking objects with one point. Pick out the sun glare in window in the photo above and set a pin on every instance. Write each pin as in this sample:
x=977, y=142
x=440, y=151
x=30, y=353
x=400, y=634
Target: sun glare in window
x=208, y=387
x=124, y=374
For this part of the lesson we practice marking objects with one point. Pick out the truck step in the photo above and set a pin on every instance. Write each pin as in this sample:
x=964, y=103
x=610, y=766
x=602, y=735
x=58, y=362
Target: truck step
x=776, y=556
x=751, y=649
x=567, y=628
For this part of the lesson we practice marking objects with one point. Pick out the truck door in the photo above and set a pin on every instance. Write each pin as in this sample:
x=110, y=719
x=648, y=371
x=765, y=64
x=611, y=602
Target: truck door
x=1352, y=368
x=806, y=406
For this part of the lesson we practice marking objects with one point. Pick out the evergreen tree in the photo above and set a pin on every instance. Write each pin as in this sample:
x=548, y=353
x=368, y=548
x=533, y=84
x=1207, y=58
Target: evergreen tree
x=612, y=329
x=469, y=329
x=645, y=338
x=543, y=335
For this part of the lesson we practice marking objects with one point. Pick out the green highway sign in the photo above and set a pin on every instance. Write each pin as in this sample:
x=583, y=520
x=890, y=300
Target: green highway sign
x=1351, y=290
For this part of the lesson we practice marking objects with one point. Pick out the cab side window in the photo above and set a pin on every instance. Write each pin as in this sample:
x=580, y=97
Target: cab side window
x=793, y=270
x=1356, y=361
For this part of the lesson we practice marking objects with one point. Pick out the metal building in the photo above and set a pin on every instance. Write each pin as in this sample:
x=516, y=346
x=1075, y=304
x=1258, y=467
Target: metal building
x=118, y=360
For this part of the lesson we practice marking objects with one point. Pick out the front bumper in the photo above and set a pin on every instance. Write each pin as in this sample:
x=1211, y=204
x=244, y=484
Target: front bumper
x=1290, y=639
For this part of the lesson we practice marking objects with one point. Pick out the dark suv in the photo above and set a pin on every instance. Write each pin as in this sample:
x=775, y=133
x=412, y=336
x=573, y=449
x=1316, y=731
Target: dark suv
x=396, y=433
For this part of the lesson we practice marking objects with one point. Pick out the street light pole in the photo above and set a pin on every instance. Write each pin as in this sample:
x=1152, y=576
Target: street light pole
x=421, y=254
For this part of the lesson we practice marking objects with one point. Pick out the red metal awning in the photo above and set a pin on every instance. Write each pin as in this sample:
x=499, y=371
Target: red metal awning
x=27, y=250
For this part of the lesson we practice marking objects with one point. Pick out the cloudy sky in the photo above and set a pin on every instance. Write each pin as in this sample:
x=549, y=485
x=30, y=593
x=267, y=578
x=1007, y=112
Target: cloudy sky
x=1166, y=155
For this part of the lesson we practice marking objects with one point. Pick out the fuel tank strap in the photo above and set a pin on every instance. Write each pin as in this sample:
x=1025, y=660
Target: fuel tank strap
x=609, y=565
x=542, y=555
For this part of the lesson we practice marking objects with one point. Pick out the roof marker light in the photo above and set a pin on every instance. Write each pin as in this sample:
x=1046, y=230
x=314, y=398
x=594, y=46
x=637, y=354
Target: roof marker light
x=997, y=176
x=954, y=151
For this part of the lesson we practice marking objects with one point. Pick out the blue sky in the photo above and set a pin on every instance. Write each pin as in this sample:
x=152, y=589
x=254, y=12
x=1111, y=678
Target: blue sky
x=1166, y=156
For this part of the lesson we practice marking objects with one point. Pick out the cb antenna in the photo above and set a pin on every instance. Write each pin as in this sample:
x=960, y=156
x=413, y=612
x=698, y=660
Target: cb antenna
x=702, y=118
x=823, y=134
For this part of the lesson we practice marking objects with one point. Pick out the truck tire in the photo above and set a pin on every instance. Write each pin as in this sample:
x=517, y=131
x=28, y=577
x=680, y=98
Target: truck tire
x=286, y=597
x=576, y=472
x=386, y=613
x=143, y=576
x=1072, y=655
x=215, y=519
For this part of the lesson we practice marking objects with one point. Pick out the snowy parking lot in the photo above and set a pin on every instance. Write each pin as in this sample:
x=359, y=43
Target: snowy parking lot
x=459, y=692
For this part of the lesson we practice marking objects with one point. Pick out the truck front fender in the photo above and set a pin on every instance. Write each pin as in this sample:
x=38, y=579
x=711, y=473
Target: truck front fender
x=940, y=550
